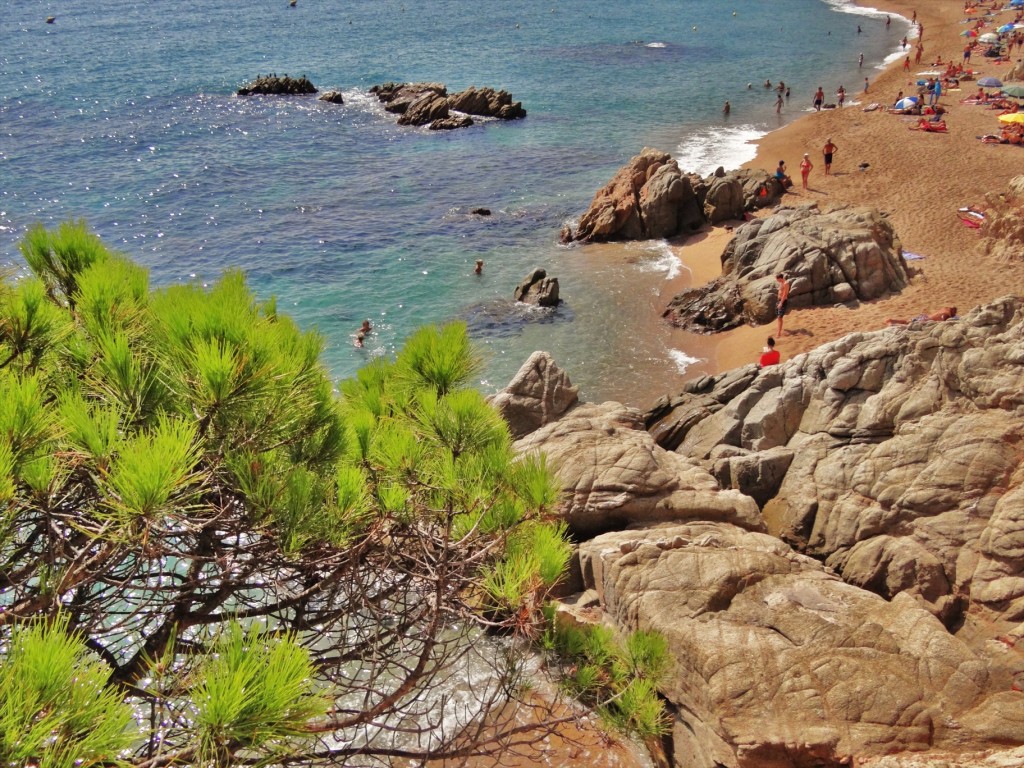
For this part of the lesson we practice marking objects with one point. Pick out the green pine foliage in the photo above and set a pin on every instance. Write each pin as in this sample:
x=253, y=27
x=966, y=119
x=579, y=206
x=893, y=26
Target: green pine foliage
x=56, y=710
x=619, y=678
x=257, y=692
x=174, y=459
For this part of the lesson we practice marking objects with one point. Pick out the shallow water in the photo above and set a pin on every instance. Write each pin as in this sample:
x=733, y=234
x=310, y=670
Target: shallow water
x=123, y=113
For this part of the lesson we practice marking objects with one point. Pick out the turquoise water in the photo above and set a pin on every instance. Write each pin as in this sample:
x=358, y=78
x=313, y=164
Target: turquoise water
x=123, y=113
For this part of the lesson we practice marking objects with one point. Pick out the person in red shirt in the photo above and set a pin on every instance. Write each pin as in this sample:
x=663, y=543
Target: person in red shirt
x=770, y=356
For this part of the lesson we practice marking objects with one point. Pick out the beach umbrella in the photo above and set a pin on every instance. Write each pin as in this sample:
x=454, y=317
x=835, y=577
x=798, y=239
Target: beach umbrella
x=1016, y=91
x=990, y=82
x=969, y=33
x=1015, y=117
x=1006, y=28
x=1016, y=3
x=906, y=102
x=989, y=37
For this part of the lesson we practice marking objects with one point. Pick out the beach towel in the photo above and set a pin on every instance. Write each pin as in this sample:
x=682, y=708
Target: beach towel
x=912, y=256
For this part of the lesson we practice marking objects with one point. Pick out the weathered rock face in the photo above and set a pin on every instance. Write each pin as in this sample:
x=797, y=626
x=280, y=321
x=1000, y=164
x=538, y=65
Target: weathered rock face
x=837, y=257
x=907, y=457
x=273, y=85
x=613, y=474
x=538, y=394
x=1002, y=231
x=396, y=97
x=650, y=197
x=427, y=108
x=780, y=664
x=538, y=289
x=488, y=103
x=430, y=104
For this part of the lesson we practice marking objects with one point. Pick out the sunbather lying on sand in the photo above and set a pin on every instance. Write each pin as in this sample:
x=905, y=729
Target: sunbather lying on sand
x=945, y=313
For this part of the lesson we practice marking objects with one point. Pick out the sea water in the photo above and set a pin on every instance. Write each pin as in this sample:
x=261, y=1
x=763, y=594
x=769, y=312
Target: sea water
x=123, y=113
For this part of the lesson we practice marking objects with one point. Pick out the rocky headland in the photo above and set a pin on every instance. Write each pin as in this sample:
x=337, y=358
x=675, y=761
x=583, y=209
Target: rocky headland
x=833, y=547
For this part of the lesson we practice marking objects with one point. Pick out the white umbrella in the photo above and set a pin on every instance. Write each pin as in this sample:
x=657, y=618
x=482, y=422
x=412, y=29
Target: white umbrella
x=906, y=102
x=989, y=37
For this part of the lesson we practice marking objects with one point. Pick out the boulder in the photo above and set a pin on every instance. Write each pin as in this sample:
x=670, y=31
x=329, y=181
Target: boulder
x=778, y=663
x=538, y=289
x=487, y=102
x=648, y=198
x=724, y=200
x=451, y=123
x=613, y=474
x=845, y=255
x=273, y=85
x=907, y=458
x=333, y=97
x=538, y=394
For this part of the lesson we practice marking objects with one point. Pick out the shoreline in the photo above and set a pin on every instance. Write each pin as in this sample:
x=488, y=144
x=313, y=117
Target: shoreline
x=918, y=179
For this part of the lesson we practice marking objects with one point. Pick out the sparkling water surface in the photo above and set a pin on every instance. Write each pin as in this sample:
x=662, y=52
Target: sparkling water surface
x=124, y=114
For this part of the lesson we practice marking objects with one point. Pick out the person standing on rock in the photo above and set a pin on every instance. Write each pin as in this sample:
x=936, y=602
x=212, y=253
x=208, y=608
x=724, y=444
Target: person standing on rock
x=782, y=302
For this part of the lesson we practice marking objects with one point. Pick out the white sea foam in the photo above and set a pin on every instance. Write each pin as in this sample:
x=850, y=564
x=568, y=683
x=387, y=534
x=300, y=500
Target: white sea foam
x=705, y=149
x=682, y=360
x=662, y=259
x=846, y=6
x=655, y=45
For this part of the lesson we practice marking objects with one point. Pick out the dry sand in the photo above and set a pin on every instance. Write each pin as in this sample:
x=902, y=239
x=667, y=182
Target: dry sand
x=919, y=179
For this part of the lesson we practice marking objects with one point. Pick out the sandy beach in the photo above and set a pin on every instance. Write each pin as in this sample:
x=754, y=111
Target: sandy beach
x=919, y=179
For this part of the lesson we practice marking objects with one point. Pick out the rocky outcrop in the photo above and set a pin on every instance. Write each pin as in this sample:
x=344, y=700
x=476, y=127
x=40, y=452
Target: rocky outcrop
x=650, y=197
x=778, y=663
x=905, y=451
x=487, y=102
x=538, y=289
x=830, y=258
x=538, y=394
x=430, y=104
x=613, y=474
x=273, y=85
x=1002, y=230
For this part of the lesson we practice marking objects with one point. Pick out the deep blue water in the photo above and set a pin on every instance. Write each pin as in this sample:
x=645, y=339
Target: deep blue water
x=123, y=113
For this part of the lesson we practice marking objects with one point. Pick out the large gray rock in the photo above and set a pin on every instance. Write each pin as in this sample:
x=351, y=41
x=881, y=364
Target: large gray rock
x=613, y=474
x=837, y=257
x=1002, y=230
x=275, y=85
x=396, y=97
x=778, y=663
x=538, y=394
x=428, y=108
x=907, y=452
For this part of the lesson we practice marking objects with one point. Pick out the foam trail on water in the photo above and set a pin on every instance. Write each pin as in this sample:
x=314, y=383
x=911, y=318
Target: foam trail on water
x=705, y=149
x=664, y=259
x=682, y=360
x=656, y=45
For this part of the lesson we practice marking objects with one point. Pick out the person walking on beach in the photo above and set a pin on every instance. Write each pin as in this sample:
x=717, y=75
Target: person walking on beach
x=919, y=52
x=828, y=150
x=805, y=168
x=782, y=302
x=865, y=85
x=819, y=99
x=906, y=64
x=778, y=104
x=841, y=94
